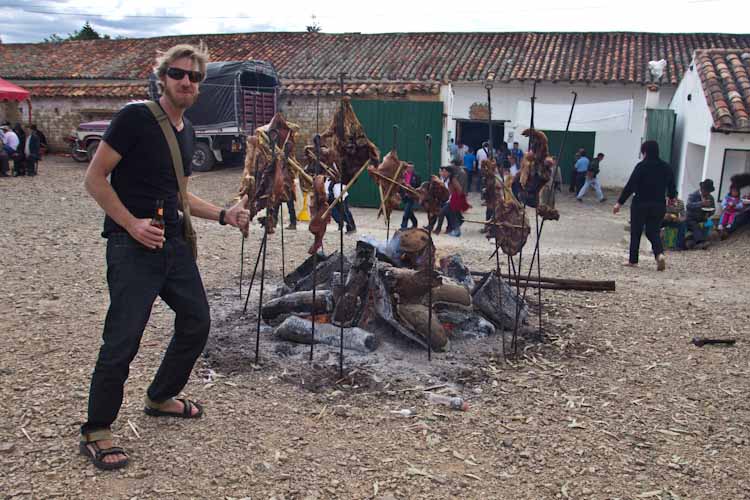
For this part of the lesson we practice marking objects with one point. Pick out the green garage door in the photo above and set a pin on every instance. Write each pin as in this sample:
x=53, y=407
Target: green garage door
x=660, y=128
x=574, y=142
x=414, y=119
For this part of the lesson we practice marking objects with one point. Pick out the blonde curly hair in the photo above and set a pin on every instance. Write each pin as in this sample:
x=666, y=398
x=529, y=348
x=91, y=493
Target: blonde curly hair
x=198, y=54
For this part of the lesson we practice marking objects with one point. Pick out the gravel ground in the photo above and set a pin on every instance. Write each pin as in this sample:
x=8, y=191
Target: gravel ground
x=616, y=403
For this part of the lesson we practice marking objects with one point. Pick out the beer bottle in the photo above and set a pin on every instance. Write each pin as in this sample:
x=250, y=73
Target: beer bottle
x=158, y=220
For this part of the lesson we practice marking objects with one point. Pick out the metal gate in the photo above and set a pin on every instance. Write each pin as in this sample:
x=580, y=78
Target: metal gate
x=414, y=119
x=660, y=128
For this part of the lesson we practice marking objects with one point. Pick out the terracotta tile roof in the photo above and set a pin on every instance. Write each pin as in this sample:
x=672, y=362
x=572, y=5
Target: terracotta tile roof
x=401, y=57
x=361, y=89
x=137, y=90
x=88, y=89
x=725, y=75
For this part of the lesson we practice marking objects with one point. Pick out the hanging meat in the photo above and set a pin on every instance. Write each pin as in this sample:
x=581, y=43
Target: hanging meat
x=511, y=226
x=318, y=206
x=432, y=195
x=348, y=145
x=272, y=180
x=537, y=171
x=393, y=169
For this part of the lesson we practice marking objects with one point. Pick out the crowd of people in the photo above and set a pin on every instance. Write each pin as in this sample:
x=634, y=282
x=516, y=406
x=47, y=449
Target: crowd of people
x=23, y=146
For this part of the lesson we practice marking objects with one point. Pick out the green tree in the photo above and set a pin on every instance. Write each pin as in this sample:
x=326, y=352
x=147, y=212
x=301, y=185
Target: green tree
x=314, y=27
x=87, y=32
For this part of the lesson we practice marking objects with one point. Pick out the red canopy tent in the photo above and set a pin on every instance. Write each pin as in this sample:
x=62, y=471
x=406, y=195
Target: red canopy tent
x=12, y=92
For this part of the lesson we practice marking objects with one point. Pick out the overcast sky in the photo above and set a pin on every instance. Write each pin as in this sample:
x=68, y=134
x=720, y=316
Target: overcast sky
x=33, y=20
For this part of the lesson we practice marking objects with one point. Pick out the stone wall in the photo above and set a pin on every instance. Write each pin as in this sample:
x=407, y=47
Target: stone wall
x=58, y=117
x=302, y=111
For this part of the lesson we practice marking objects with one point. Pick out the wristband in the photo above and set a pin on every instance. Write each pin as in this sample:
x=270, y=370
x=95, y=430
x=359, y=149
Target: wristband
x=222, y=214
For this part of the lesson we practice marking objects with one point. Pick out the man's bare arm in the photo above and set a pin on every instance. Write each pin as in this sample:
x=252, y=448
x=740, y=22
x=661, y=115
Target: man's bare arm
x=100, y=189
x=237, y=216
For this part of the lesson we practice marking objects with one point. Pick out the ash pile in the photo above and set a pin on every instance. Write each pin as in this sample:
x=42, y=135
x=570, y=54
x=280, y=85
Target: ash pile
x=384, y=295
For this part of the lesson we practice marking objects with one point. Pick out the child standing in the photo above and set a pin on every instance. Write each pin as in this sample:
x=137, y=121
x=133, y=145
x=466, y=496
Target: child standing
x=730, y=204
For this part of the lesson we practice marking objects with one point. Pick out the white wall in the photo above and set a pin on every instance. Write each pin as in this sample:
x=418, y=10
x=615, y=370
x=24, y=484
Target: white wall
x=693, y=126
x=719, y=143
x=620, y=147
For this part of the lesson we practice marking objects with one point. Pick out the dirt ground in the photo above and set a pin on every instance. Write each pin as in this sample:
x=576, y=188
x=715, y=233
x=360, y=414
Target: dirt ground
x=615, y=404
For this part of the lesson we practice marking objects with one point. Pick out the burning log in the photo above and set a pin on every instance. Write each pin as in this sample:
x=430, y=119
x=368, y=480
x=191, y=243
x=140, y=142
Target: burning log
x=498, y=301
x=462, y=323
x=350, y=302
x=324, y=273
x=453, y=267
x=297, y=303
x=560, y=283
x=297, y=330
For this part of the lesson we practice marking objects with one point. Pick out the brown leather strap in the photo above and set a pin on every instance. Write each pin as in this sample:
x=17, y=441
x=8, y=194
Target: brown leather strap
x=174, y=149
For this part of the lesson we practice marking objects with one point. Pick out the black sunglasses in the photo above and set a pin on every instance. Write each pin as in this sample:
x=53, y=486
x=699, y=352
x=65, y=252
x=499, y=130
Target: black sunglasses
x=178, y=74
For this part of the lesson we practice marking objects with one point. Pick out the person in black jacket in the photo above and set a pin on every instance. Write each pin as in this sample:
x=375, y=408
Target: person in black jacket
x=32, y=150
x=411, y=179
x=651, y=179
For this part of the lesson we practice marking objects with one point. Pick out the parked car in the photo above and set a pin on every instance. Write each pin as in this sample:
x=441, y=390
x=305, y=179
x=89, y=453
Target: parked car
x=85, y=139
x=235, y=98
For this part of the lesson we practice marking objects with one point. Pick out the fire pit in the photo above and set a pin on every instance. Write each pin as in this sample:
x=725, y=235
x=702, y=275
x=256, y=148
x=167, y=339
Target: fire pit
x=382, y=305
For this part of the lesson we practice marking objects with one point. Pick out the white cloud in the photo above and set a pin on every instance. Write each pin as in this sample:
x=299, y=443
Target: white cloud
x=33, y=20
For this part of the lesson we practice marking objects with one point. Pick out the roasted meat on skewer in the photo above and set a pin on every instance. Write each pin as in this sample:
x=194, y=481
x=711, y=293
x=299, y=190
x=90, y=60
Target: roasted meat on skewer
x=348, y=145
x=268, y=183
x=318, y=206
x=432, y=195
x=394, y=169
x=537, y=171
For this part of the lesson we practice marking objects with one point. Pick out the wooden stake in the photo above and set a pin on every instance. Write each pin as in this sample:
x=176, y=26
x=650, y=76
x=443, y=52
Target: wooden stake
x=402, y=186
x=346, y=188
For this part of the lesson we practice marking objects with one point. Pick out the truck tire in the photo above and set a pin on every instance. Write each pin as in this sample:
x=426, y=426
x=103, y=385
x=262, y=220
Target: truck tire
x=91, y=148
x=78, y=155
x=203, y=157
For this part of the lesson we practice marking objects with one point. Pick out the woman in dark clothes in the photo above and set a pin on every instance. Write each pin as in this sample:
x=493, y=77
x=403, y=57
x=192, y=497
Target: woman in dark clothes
x=650, y=181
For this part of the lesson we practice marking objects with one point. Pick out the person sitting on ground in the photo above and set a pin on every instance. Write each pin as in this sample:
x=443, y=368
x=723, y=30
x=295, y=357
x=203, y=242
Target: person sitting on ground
x=730, y=205
x=700, y=206
x=675, y=218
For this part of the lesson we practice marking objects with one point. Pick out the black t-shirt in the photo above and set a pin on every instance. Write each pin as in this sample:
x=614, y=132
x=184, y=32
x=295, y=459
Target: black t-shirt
x=145, y=172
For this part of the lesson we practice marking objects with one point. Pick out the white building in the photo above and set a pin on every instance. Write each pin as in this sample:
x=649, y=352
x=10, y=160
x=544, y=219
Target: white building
x=608, y=118
x=712, y=135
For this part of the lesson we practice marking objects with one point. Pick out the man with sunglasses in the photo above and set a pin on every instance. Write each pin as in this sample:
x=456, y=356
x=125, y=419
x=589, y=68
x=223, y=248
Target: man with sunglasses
x=145, y=261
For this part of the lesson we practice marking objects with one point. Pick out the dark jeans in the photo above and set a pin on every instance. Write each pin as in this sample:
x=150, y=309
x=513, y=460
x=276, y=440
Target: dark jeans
x=699, y=233
x=31, y=166
x=409, y=213
x=4, y=165
x=573, y=182
x=445, y=213
x=650, y=216
x=348, y=217
x=290, y=209
x=470, y=176
x=136, y=275
x=19, y=164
